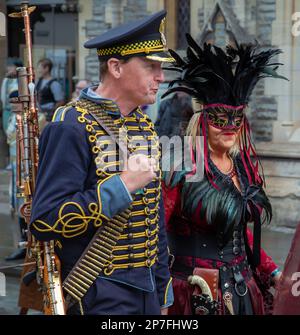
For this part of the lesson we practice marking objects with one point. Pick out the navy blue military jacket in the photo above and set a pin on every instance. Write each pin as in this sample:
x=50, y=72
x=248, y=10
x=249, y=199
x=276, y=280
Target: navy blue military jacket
x=78, y=189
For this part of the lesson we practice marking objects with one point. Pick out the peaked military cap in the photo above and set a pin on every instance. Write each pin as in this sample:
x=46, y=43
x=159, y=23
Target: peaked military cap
x=144, y=37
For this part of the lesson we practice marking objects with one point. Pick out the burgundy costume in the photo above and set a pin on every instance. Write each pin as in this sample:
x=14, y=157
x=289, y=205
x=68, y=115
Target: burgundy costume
x=207, y=220
x=287, y=297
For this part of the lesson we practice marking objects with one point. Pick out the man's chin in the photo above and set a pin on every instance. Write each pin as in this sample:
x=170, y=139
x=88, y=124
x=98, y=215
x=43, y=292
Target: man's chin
x=152, y=99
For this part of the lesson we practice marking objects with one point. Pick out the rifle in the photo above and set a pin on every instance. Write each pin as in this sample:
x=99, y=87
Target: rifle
x=47, y=265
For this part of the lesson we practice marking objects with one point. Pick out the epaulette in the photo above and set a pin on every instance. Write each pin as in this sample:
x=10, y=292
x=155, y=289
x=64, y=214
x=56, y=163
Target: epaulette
x=60, y=112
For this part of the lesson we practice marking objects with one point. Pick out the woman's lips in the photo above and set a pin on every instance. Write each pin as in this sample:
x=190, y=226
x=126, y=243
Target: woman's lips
x=229, y=134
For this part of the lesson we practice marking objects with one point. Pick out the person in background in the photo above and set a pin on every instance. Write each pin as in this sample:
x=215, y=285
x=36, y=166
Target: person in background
x=9, y=85
x=81, y=84
x=50, y=94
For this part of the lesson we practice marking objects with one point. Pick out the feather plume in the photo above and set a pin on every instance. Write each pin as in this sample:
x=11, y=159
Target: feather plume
x=212, y=75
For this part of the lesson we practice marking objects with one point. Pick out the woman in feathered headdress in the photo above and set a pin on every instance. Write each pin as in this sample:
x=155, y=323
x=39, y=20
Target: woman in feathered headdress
x=218, y=263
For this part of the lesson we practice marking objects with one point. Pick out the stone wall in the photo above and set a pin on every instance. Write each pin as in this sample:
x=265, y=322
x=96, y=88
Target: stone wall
x=265, y=111
x=281, y=163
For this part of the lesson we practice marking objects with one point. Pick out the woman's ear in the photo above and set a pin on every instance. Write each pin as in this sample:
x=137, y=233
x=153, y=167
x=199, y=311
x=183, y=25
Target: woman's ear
x=114, y=68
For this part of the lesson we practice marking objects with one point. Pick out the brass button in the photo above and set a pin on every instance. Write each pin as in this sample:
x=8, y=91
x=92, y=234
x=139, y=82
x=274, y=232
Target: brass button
x=236, y=250
x=131, y=255
x=236, y=234
x=148, y=253
x=130, y=224
x=130, y=235
x=145, y=200
x=130, y=266
x=148, y=233
x=110, y=267
x=148, y=244
x=145, y=190
x=148, y=262
x=236, y=242
x=130, y=247
x=147, y=211
x=147, y=222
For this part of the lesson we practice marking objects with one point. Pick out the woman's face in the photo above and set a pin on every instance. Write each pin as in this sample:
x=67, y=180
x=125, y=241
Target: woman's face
x=222, y=139
x=224, y=129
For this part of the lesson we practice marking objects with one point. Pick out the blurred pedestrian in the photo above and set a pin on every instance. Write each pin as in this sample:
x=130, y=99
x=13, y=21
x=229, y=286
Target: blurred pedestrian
x=15, y=202
x=49, y=91
x=81, y=84
x=9, y=84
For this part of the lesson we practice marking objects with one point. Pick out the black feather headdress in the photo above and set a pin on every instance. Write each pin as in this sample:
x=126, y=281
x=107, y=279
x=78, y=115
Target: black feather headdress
x=223, y=81
x=212, y=75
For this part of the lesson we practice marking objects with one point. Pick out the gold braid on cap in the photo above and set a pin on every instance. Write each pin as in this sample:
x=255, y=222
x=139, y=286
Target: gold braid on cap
x=134, y=48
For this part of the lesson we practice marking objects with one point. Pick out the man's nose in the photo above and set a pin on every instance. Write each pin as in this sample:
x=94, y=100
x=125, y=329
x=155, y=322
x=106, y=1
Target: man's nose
x=160, y=77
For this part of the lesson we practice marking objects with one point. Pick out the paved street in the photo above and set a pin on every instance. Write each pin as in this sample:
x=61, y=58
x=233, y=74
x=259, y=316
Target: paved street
x=276, y=242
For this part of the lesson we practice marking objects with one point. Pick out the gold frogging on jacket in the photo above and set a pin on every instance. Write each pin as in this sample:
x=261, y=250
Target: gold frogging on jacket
x=121, y=244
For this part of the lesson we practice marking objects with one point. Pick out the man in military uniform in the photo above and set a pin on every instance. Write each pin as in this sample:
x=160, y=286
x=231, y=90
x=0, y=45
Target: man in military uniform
x=82, y=191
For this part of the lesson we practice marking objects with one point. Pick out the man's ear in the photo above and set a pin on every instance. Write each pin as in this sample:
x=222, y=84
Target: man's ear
x=114, y=67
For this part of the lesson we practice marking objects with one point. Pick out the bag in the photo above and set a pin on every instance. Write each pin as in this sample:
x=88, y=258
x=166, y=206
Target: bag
x=205, y=295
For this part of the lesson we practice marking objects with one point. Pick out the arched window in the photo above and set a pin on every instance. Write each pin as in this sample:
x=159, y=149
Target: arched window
x=184, y=22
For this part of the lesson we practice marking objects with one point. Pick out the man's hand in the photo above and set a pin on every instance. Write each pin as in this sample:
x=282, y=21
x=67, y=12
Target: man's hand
x=139, y=172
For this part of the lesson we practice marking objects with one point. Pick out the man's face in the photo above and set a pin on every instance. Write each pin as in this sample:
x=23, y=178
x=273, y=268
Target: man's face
x=42, y=70
x=80, y=86
x=140, y=79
